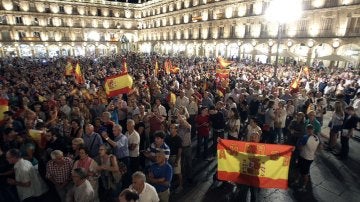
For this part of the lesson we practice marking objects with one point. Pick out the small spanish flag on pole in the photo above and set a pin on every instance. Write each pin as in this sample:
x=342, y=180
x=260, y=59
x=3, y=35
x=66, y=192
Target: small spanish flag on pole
x=125, y=67
x=118, y=84
x=156, y=70
x=69, y=69
x=254, y=164
x=4, y=106
x=79, y=77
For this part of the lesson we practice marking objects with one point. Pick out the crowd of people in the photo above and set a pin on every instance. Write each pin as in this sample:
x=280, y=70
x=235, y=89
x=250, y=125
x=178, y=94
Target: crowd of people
x=138, y=146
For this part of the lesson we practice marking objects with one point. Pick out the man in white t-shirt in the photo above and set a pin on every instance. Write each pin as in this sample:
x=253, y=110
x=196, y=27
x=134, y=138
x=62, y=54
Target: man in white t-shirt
x=134, y=142
x=147, y=193
x=307, y=146
x=28, y=182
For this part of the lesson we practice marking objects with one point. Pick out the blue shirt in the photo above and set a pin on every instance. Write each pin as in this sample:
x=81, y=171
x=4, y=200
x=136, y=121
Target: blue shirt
x=121, y=149
x=164, y=171
x=92, y=142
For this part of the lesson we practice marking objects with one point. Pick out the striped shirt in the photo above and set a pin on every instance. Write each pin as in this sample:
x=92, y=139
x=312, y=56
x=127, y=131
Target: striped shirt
x=153, y=150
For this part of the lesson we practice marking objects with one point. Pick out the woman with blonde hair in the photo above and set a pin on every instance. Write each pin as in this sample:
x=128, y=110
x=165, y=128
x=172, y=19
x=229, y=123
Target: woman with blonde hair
x=335, y=124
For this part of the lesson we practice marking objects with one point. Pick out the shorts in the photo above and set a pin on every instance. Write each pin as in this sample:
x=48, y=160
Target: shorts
x=304, y=166
x=177, y=169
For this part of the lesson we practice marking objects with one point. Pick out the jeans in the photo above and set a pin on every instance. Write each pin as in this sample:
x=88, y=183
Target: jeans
x=202, y=141
x=186, y=162
x=215, y=136
x=344, y=147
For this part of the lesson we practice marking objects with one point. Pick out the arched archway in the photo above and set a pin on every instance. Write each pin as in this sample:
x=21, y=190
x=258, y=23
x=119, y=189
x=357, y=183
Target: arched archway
x=90, y=50
x=221, y=50
x=233, y=50
x=54, y=51
x=39, y=51
x=65, y=50
x=79, y=51
x=351, y=51
x=190, y=50
x=25, y=50
x=209, y=50
x=102, y=49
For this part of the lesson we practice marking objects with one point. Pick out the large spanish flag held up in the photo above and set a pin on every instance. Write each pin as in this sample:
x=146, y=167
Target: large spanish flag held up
x=118, y=84
x=79, y=77
x=254, y=164
x=4, y=106
x=223, y=63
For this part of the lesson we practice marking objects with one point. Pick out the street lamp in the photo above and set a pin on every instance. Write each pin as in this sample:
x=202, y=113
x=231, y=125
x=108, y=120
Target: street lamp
x=281, y=12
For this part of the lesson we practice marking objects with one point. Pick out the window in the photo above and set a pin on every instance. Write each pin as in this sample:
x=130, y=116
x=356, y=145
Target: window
x=19, y=20
x=221, y=32
x=98, y=12
x=61, y=8
x=3, y=19
x=21, y=35
x=354, y=25
x=36, y=34
x=302, y=25
x=326, y=23
x=36, y=21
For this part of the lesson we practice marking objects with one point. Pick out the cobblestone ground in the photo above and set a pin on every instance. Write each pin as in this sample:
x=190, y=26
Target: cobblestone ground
x=332, y=180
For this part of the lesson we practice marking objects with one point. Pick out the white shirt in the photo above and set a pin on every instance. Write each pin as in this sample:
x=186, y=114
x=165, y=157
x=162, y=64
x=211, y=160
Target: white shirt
x=182, y=101
x=148, y=194
x=162, y=110
x=84, y=192
x=26, y=172
x=134, y=138
x=309, y=149
x=356, y=106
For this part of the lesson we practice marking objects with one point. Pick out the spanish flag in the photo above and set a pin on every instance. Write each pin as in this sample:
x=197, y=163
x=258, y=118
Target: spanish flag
x=223, y=63
x=171, y=98
x=4, y=106
x=125, y=67
x=118, y=84
x=167, y=66
x=254, y=164
x=306, y=70
x=156, y=70
x=222, y=73
x=174, y=70
x=38, y=137
x=69, y=68
x=79, y=77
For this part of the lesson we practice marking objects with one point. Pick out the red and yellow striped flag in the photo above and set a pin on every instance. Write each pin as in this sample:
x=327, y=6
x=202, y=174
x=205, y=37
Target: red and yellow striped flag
x=171, y=98
x=254, y=164
x=223, y=63
x=4, y=106
x=118, y=84
x=78, y=74
x=69, y=68
x=125, y=67
x=222, y=73
x=174, y=70
x=167, y=66
x=306, y=70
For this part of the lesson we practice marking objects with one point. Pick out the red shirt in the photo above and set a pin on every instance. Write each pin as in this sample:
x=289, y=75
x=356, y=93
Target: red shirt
x=203, y=129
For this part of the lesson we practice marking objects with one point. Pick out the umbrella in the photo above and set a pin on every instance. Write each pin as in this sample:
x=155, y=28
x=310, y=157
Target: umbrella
x=334, y=57
x=257, y=52
x=286, y=54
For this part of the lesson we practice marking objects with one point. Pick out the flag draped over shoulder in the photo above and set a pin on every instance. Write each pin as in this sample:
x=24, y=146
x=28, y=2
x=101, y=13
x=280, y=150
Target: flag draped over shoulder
x=223, y=63
x=69, y=70
x=38, y=137
x=174, y=70
x=171, y=98
x=4, y=106
x=254, y=164
x=78, y=74
x=118, y=84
